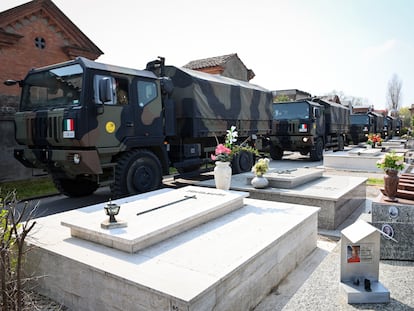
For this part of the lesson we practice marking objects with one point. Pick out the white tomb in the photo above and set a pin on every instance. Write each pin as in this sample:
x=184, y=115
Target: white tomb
x=360, y=255
x=227, y=260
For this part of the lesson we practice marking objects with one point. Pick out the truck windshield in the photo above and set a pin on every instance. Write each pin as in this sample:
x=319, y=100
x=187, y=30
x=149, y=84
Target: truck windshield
x=362, y=119
x=291, y=111
x=54, y=88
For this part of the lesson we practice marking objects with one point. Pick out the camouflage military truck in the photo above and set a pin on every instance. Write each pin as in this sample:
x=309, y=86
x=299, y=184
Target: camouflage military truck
x=309, y=127
x=360, y=126
x=89, y=124
x=363, y=124
x=390, y=127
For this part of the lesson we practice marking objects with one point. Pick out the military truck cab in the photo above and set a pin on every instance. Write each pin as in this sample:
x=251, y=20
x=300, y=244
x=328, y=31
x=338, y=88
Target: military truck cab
x=362, y=124
x=309, y=127
x=76, y=117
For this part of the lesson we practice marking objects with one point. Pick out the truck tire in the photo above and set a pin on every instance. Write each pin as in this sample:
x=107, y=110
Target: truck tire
x=341, y=143
x=78, y=187
x=137, y=171
x=316, y=153
x=276, y=153
x=242, y=162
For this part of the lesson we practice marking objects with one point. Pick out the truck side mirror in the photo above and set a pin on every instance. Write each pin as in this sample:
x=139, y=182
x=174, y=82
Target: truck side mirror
x=105, y=90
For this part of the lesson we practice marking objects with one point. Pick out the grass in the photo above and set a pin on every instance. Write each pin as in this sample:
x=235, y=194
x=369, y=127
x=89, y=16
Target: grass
x=26, y=189
x=375, y=181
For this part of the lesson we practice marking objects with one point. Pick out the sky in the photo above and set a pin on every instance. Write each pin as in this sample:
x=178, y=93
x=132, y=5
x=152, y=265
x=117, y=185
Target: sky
x=317, y=46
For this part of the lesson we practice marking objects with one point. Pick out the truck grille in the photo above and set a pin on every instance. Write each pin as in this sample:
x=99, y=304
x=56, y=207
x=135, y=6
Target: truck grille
x=45, y=128
x=288, y=128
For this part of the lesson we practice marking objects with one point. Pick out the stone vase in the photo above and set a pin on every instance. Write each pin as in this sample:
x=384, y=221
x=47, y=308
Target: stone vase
x=391, y=180
x=222, y=175
x=259, y=182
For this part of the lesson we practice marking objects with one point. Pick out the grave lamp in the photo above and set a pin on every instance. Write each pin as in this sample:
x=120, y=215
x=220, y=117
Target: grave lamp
x=112, y=209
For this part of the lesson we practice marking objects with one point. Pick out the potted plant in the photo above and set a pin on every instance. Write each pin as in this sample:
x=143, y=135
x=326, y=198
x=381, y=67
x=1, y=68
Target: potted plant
x=259, y=169
x=391, y=164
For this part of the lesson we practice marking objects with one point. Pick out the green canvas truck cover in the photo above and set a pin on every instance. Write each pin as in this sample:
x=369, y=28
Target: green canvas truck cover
x=207, y=105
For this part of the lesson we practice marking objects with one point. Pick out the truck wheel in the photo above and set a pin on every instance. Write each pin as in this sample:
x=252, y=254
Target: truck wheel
x=341, y=143
x=316, y=153
x=242, y=162
x=78, y=187
x=137, y=171
x=276, y=153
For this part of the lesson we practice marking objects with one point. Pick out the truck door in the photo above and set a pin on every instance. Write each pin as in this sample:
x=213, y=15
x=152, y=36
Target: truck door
x=148, y=110
x=319, y=121
x=116, y=123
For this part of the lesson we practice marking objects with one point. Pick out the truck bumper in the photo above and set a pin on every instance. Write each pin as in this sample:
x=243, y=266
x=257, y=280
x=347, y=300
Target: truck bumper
x=294, y=143
x=75, y=162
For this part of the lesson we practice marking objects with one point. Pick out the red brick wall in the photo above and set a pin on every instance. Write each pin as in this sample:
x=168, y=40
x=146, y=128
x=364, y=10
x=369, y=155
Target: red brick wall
x=18, y=59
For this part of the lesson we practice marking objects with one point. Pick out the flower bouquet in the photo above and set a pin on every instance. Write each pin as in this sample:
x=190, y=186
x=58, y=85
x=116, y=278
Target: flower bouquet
x=261, y=167
x=224, y=152
x=391, y=161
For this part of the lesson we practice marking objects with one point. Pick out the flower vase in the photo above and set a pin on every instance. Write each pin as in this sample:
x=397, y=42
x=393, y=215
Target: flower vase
x=222, y=175
x=391, y=180
x=259, y=182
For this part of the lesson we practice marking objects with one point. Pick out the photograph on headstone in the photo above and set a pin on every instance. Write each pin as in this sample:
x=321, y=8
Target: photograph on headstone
x=393, y=211
x=353, y=254
x=388, y=230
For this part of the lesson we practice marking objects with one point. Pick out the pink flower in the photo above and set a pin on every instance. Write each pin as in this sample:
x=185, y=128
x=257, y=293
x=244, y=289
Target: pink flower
x=222, y=149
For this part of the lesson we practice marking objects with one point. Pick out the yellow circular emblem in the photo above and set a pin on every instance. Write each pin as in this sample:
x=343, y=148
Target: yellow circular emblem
x=110, y=127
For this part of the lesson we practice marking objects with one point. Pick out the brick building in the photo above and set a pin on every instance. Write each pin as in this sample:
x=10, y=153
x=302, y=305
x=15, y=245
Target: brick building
x=32, y=35
x=36, y=34
x=229, y=66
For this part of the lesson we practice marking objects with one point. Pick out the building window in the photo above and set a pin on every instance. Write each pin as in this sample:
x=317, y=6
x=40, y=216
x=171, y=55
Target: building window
x=40, y=43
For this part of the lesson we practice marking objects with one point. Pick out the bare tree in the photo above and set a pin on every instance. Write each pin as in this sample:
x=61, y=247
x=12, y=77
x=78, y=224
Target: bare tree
x=394, y=93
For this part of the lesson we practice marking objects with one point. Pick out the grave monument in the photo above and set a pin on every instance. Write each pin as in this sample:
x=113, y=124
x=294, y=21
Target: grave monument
x=359, y=264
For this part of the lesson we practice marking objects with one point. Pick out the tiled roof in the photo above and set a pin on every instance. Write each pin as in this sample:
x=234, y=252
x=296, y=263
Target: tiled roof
x=209, y=62
x=75, y=37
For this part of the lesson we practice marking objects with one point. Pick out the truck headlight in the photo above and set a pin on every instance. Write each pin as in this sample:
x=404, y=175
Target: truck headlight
x=76, y=158
x=305, y=139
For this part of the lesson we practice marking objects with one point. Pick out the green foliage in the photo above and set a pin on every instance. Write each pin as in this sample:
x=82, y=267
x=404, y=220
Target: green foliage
x=31, y=188
x=261, y=166
x=281, y=98
x=391, y=161
x=225, y=152
x=15, y=225
x=405, y=115
x=375, y=181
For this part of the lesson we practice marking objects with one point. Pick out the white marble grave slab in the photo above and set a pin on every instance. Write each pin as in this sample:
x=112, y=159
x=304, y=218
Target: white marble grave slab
x=288, y=179
x=174, y=212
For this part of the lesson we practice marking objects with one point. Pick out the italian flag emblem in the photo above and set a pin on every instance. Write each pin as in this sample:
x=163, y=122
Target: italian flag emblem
x=68, y=125
x=303, y=127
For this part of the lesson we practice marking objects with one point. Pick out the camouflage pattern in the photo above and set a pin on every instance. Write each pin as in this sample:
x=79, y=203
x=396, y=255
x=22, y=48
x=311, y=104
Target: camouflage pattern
x=94, y=134
x=308, y=125
x=63, y=120
x=207, y=105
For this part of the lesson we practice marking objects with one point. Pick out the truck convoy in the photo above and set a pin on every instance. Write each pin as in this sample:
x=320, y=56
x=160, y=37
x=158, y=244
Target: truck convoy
x=90, y=124
x=309, y=126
